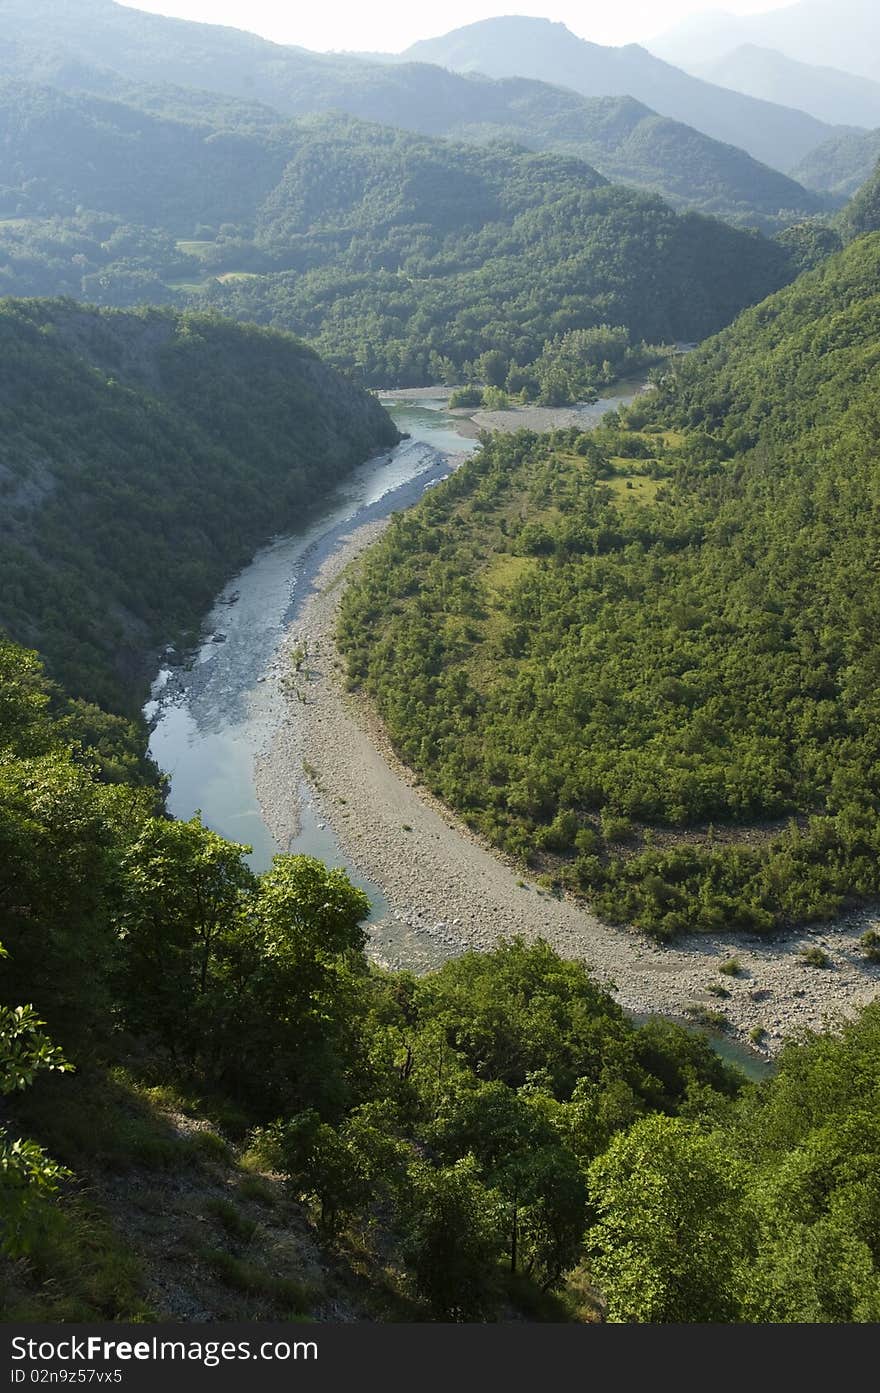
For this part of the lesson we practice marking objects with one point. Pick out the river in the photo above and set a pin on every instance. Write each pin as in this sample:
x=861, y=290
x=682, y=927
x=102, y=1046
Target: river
x=214, y=711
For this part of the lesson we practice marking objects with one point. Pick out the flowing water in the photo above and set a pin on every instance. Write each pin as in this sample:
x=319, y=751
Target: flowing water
x=213, y=710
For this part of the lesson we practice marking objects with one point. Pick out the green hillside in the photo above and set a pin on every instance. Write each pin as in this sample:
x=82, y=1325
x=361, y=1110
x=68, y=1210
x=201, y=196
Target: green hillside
x=614, y=639
x=839, y=166
x=631, y=144
x=110, y=50
x=862, y=214
x=260, y=1126
x=396, y=256
x=438, y=253
x=144, y=456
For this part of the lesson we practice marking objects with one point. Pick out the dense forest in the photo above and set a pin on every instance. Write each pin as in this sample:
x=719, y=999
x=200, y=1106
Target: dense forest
x=144, y=456
x=840, y=165
x=400, y=259
x=492, y=1140
x=862, y=213
x=479, y=251
x=112, y=51
x=590, y=644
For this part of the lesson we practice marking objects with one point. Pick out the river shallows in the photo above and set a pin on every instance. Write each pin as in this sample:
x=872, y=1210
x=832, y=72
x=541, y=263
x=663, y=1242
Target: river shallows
x=212, y=713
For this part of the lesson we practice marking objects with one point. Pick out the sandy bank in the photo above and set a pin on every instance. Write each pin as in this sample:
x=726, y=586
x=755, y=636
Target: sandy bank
x=449, y=892
x=537, y=418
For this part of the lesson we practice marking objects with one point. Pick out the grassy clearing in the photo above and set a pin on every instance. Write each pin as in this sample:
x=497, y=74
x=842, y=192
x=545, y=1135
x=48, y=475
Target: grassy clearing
x=504, y=571
x=194, y=248
x=633, y=488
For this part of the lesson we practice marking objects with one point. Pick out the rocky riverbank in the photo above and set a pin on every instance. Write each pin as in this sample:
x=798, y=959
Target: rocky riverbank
x=449, y=892
x=471, y=422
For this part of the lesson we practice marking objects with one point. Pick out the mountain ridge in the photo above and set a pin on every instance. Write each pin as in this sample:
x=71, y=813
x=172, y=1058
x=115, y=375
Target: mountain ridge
x=550, y=52
x=829, y=94
x=683, y=164
x=845, y=34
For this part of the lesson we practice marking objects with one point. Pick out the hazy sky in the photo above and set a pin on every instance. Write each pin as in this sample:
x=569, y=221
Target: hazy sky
x=392, y=25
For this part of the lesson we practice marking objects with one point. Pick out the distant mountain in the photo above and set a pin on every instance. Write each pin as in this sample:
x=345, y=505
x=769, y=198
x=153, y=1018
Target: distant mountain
x=620, y=137
x=841, y=165
x=827, y=93
x=629, y=143
x=843, y=33
x=537, y=48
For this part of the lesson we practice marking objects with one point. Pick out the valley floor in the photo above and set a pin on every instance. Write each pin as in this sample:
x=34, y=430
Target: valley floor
x=449, y=892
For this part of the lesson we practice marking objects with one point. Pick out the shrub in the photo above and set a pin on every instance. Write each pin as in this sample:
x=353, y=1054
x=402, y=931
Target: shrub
x=616, y=828
x=870, y=945
x=466, y=396
x=715, y=1020
x=815, y=957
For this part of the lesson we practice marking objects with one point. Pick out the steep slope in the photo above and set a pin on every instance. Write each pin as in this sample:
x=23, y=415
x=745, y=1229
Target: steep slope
x=862, y=215
x=109, y=46
x=628, y=142
x=827, y=93
x=843, y=33
x=540, y=49
x=406, y=298
x=662, y=627
x=144, y=456
x=841, y=165
x=398, y=255
x=59, y=152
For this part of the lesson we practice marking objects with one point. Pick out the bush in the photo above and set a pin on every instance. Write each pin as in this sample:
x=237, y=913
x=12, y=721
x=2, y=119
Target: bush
x=870, y=945
x=466, y=396
x=714, y=1020
x=616, y=828
x=815, y=957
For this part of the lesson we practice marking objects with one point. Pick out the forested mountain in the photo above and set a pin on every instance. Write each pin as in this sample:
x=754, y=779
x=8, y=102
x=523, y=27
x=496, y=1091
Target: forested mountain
x=623, y=139
x=844, y=33
x=862, y=214
x=399, y=257
x=144, y=456
x=496, y=250
x=631, y=144
x=841, y=165
x=62, y=152
x=537, y=48
x=666, y=625
x=840, y=98
x=260, y=1126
